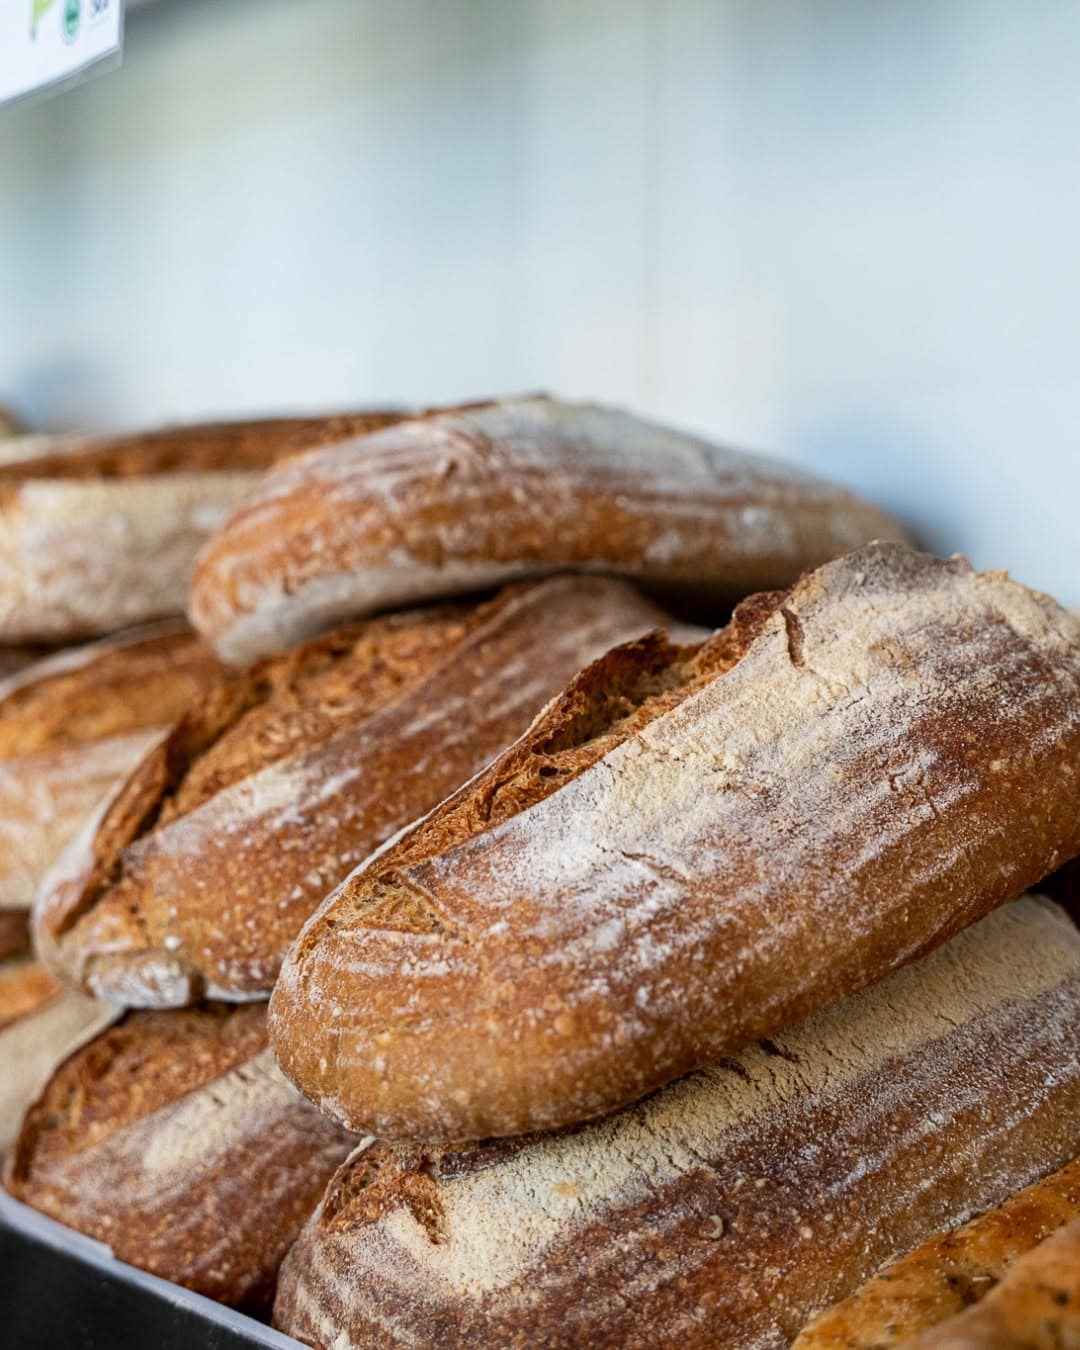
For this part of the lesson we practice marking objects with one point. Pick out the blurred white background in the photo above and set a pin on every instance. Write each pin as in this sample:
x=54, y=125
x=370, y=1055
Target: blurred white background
x=846, y=232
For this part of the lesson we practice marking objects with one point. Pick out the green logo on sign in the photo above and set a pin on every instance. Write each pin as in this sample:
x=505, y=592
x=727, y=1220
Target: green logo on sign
x=71, y=19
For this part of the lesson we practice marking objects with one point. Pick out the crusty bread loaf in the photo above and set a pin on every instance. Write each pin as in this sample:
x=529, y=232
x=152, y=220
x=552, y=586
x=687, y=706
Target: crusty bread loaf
x=940, y=1279
x=96, y=534
x=40, y=1023
x=724, y=1209
x=693, y=847
x=471, y=497
x=1035, y=1307
x=231, y=832
x=173, y=1138
x=72, y=727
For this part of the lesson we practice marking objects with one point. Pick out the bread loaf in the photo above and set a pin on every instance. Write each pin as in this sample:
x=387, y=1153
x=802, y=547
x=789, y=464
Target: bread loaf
x=724, y=1209
x=231, y=832
x=72, y=727
x=173, y=1138
x=940, y=1279
x=1035, y=1307
x=14, y=933
x=472, y=497
x=40, y=1023
x=96, y=534
x=694, y=846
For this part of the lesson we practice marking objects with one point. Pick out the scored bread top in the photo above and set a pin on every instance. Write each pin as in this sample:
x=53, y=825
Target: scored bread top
x=724, y=1209
x=173, y=1138
x=945, y=1275
x=466, y=498
x=229, y=834
x=895, y=751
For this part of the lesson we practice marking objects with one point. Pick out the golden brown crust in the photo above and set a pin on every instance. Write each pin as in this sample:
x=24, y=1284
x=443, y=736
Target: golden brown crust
x=946, y=1275
x=830, y=806
x=469, y=498
x=72, y=727
x=1035, y=1307
x=206, y=447
x=232, y=830
x=24, y=987
x=144, y=679
x=172, y=1138
x=722, y=1210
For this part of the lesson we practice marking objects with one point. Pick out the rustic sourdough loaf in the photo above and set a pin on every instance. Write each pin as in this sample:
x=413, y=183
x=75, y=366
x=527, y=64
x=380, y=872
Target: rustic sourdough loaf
x=940, y=1279
x=231, y=832
x=40, y=1023
x=724, y=1209
x=1035, y=1307
x=694, y=846
x=72, y=727
x=96, y=534
x=471, y=497
x=173, y=1138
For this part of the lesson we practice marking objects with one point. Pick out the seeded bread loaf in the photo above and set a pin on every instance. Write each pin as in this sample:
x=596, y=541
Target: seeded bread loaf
x=694, y=846
x=1035, y=1307
x=72, y=726
x=943, y=1277
x=40, y=1023
x=471, y=497
x=173, y=1138
x=96, y=534
x=723, y=1210
x=232, y=831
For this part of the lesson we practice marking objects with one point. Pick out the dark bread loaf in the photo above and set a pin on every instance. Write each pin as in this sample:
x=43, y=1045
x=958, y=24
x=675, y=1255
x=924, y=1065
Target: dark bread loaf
x=1035, y=1307
x=96, y=534
x=173, y=1138
x=944, y=1276
x=692, y=847
x=233, y=829
x=471, y=497
x=72, y=726
x=40, y=1023
x=14, y=933
x=724, y=1209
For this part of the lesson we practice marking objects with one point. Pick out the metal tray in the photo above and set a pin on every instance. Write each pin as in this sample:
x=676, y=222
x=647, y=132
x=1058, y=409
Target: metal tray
x=60, y=1290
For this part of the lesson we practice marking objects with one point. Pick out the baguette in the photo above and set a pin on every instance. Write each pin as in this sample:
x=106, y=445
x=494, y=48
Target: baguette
x=1035, y=1307
x=40, y=1023
x=173, y=1138
x=940, y=1279
x=692, y=847
x=725, y=1208
x=471, y=497
x=72, y=727
x=226, y=838
x=97, y=534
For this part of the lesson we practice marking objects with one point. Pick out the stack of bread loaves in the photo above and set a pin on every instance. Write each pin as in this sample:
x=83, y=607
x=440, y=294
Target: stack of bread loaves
x=630, y=983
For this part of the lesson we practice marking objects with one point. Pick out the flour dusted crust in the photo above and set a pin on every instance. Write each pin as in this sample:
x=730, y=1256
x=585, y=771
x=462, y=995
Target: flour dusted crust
x=174, y=1139
x=96, y=534
x=943, y=1277
x=72, y=727
x=231, y=832
x=467, y=498
x=856, y=770
x=726, y=1208
x=40, y=1024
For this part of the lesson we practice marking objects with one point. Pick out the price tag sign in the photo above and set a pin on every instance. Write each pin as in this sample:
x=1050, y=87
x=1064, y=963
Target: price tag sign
x=44, y=43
